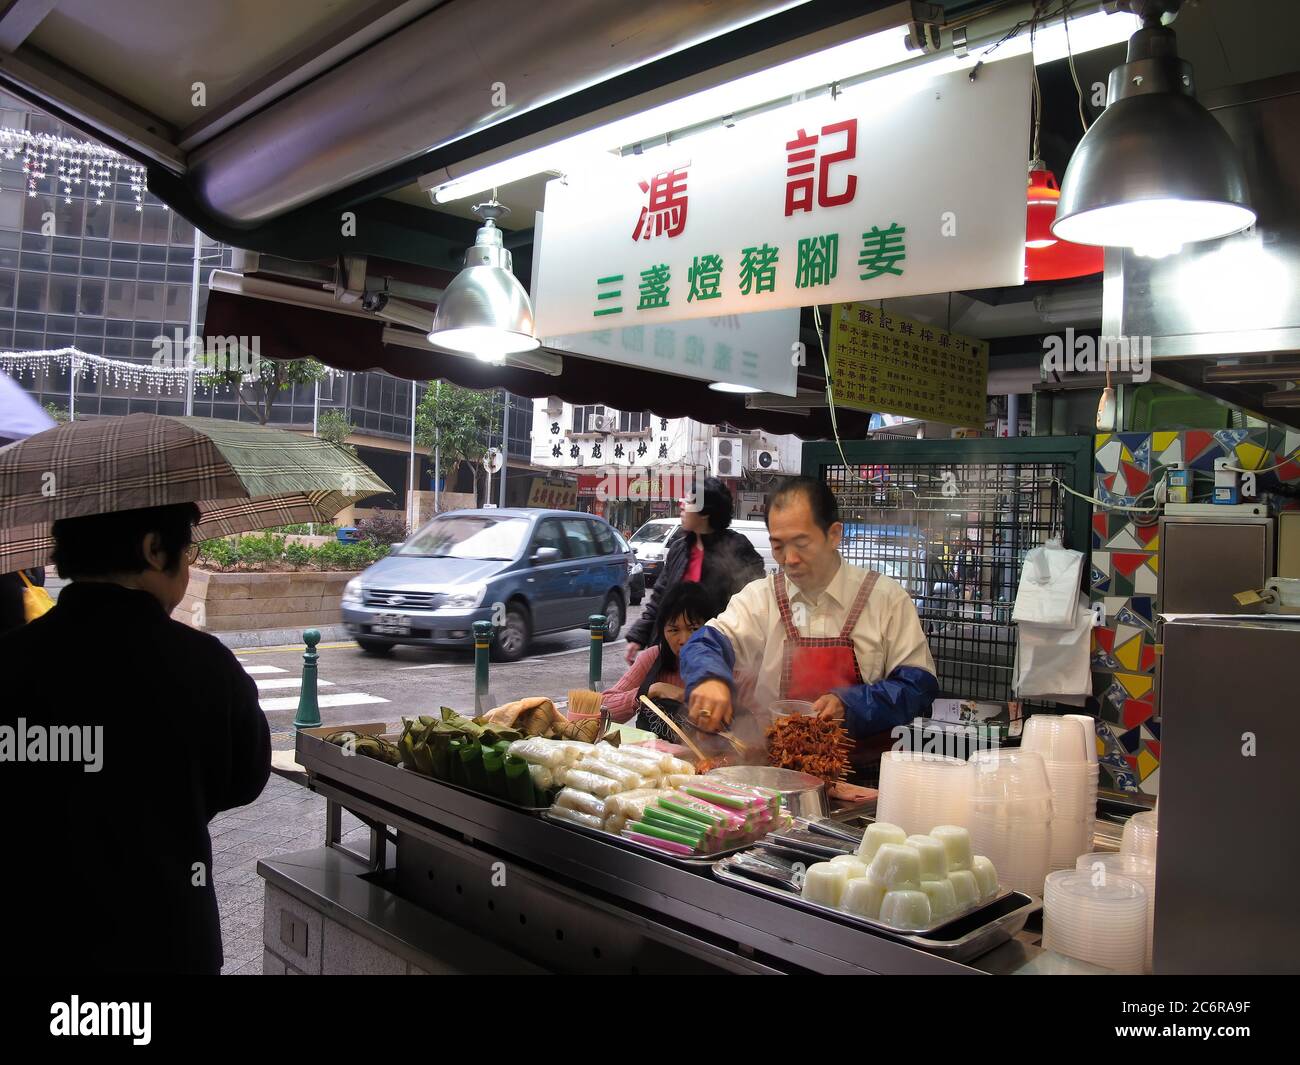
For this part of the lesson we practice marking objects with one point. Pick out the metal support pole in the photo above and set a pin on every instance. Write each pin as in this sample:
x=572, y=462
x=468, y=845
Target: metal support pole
x=72, y=388
x=482, y=645
x=437, y=451
x=505, y=445
x=1013, y=414
x=596, y=623
x=410, y=489
x=308, y=715
x=194, y=324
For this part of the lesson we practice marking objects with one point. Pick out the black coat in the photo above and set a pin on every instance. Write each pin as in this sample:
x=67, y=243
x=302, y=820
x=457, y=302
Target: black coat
x=112, y=870
x=730, y=563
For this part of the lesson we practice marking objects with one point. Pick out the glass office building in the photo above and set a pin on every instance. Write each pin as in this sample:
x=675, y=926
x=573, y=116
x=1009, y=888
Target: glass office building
x=110, y=277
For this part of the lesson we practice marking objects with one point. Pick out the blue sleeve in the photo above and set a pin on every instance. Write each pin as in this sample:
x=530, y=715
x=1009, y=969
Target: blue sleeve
x=708, y=655
x=869, y=708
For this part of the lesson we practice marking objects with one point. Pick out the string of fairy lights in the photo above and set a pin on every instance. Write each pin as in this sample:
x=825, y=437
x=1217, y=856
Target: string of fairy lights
x=73, y=163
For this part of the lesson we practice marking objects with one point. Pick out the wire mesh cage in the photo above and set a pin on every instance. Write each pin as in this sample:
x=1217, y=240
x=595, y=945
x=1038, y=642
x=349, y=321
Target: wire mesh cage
x=954, y=535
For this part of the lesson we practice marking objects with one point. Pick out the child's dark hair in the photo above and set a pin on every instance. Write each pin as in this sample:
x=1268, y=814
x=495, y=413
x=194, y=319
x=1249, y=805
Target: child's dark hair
x=689, y=600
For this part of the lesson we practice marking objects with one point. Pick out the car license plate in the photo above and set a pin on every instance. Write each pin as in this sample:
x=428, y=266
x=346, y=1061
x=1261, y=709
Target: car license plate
x=391, y=625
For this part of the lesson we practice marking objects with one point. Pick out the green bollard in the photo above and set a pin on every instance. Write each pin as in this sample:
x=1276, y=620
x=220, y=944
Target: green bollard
x=308, y=715
x=596, y=623
x=482, y=646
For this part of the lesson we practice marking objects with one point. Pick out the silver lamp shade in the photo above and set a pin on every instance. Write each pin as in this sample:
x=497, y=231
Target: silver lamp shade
x=1155, y=171
x=485, y=311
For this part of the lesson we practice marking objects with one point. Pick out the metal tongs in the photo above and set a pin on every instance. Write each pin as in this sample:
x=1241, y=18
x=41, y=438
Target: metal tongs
x=741, y=748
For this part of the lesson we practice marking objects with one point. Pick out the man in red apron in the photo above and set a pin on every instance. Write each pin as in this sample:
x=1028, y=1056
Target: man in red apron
x=848, y=640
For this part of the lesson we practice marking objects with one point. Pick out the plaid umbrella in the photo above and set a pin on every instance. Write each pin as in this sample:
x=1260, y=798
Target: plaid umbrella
x=242, y=477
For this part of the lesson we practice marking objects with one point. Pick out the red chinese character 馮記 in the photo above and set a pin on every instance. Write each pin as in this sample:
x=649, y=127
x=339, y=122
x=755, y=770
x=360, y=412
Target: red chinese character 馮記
x=664, y=212
x=801, y=184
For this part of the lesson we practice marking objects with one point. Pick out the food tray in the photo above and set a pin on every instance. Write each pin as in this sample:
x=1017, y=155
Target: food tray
x=314, y=754
x=697, y=861
x=959, y=937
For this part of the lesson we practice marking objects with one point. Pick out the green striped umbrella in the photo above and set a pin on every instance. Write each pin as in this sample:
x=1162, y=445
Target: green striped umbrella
x=242, y=477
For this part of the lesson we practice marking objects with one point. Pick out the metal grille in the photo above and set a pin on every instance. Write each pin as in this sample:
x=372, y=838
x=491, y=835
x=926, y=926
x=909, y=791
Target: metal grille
x=954, y=536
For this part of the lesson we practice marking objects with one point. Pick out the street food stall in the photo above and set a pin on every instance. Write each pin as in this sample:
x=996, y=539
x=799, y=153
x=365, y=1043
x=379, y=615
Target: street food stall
x=780, y=216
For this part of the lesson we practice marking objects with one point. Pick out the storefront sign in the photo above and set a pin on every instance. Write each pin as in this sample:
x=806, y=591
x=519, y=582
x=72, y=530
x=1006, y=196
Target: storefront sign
x=881, y=361
x=553, y=496
x=885, y=191
x=749, y=349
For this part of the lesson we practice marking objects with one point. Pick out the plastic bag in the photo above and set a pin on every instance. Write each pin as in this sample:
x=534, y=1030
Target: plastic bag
x=1049, y=586
x=1054, y=661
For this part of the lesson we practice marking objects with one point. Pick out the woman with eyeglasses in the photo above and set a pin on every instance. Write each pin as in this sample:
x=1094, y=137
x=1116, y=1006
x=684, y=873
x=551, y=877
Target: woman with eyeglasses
x=124, y=881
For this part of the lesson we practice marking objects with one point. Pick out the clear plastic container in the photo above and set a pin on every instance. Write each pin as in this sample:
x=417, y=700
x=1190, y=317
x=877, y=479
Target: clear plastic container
x=1006, y=774
x=1140, y=835
x=1136, y=866
x=1057, y=739
x=1090, y=733
x=1103, y=923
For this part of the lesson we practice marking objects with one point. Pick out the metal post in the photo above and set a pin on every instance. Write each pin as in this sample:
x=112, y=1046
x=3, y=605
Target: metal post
x=194, y=324
x=505, y=446
x=596, y=623
x=1013, y=414
x=315, y=424
x=437, y=452
x=482, y=645
x=72, y=388
x=410, y=491
x=308, y=715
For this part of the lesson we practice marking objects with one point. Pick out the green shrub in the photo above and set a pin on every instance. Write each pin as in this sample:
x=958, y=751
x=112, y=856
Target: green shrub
x=261, y=547
x=297, y=554
x=219, y=553
x=269, y=551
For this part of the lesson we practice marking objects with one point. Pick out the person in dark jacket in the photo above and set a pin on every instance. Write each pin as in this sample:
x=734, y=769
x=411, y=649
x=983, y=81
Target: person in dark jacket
x=708, y=551
x=157, y=729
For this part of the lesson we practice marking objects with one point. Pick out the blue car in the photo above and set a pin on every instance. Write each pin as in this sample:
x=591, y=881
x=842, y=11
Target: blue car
x=529, y=572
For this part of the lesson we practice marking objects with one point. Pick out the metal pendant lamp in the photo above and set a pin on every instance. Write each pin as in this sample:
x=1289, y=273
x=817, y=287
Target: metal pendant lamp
x=1155, y=171
x=485, y=311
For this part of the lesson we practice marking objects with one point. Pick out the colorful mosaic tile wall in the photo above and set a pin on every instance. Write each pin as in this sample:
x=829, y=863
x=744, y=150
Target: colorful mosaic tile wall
x=1125, y=567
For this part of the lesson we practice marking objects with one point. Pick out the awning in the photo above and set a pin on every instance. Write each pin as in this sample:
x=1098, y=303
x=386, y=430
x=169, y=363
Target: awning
x=349, y=342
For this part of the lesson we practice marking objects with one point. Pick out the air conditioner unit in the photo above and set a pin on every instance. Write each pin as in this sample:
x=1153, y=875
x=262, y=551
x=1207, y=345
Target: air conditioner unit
x=764, y=461
x=728, y=456
x=554, y=406
x=601, y=423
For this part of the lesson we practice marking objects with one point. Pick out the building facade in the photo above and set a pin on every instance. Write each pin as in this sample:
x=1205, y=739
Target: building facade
x=630, y=467
x=109, y=274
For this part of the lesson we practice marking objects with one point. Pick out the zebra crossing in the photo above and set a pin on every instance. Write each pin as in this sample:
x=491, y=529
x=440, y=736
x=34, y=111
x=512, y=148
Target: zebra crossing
x=267, y=682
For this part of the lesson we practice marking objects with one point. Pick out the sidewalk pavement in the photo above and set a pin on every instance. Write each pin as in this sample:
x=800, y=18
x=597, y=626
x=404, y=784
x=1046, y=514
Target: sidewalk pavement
x=286, y=817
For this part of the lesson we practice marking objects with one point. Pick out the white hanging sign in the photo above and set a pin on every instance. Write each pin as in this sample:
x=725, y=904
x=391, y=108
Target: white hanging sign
x=888, y=190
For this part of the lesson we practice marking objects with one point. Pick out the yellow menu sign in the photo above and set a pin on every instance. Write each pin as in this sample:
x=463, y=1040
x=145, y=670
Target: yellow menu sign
x=883, y=362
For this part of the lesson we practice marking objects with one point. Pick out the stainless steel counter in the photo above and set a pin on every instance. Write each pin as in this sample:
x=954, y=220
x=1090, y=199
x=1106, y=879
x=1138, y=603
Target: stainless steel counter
x=570, y=902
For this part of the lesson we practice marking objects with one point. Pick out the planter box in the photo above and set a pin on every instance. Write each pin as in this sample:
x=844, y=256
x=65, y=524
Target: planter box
x=237, y=602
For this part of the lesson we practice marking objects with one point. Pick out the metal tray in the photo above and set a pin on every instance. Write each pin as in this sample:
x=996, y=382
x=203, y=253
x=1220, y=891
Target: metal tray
x=959, y=938
x=702, y=862
x=313, y=753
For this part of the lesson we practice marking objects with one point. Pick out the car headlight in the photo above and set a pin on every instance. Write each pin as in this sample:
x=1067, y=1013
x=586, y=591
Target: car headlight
x=352, y=591
x=465, y=598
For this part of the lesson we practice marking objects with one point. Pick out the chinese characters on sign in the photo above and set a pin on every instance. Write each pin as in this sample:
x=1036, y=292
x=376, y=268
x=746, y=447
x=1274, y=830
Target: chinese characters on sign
x=553, y=496
x=823, y=201
x=893, y=365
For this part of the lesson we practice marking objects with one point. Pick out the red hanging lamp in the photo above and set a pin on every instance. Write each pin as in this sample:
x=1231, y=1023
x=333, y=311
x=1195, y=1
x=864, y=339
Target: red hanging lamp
x=1048, y=258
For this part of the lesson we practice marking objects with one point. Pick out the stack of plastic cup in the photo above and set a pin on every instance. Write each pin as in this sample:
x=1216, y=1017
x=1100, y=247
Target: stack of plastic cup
x=1009, y=815
x=1103, y=921
x=919, y=791
x=1140, y=835
x=1089, y=724
x=1064, y=744
x=1134, y=866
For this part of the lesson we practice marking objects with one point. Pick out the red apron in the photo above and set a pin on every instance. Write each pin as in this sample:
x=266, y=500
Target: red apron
x=812, y=666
